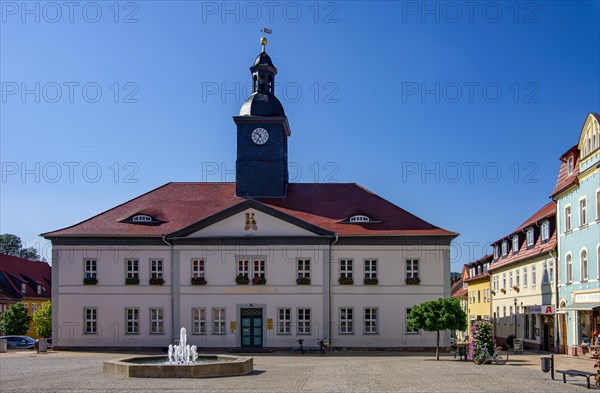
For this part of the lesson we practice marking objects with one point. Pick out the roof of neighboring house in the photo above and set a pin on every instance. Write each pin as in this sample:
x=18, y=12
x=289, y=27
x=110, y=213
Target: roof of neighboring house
x=14, y=271
x=539, y=247
x=457, y=288
x=480, y=261
x=176, y=206
x=565, y=179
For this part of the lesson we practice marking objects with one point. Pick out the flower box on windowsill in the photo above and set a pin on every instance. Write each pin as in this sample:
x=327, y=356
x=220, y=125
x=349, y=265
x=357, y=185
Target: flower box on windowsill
x=132, y=281
x=503, y=290
x=493, y=292
x=371, y=281
x=346, y=281
x=516, y=288
x=413, y=281
x=198, y=281
x=303, y=281
x=241, y=279
x=90, y=281
x=259, y=280
x=156, y=281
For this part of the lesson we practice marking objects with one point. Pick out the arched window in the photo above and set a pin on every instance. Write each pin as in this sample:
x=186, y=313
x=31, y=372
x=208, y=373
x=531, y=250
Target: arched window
x=569, y=262
x=584, y=265
x=359, y=218
x=141, y=218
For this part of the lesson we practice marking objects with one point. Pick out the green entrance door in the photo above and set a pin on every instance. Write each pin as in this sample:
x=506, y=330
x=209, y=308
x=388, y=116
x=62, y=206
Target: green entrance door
x=252, y=327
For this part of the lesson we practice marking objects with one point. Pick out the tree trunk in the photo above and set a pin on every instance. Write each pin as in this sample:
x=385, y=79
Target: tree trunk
x=437, y=345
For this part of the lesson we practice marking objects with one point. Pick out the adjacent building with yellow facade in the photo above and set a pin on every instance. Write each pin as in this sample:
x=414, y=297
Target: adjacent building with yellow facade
x=478, y=290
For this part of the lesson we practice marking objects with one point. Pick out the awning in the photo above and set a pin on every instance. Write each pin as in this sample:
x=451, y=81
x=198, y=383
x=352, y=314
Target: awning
x=579, y=307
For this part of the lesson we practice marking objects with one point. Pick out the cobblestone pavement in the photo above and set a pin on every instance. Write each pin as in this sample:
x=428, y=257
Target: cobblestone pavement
x=343, y=372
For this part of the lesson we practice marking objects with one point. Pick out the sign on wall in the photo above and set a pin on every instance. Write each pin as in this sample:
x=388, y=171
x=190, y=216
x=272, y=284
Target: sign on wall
x=544, y=310
x=269, y=323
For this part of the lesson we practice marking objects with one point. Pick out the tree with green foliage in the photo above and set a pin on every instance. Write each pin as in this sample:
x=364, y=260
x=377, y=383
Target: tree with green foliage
x=12, y=245
x=437, y=315
x=15, y=320
x=43, y=320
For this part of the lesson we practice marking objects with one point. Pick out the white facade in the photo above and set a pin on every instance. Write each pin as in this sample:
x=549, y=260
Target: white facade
x=112, y=314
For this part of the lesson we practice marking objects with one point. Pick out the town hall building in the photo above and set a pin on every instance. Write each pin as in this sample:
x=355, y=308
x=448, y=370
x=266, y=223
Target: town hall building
x=256, y=263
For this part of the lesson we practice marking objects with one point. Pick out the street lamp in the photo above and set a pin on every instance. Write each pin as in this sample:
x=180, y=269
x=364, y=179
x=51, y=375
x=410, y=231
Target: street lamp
x=515, y=317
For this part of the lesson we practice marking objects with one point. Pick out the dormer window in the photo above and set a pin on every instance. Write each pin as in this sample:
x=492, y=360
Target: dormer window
x=529, y=237
x=495, y=251
x=141, y=218
x=39, y=289
x=570, y=165
x=545, y=230
x=504, y=248
x=359, y=218
x=23, y=287
x=515, y=244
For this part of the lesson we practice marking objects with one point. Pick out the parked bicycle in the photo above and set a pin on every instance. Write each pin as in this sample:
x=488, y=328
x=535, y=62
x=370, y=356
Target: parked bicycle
x=483, y=356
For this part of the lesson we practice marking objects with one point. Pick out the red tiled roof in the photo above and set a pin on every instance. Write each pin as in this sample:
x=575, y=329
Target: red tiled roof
x=458, y=289
x=15, y=270
x=546, y=212
x=324, y=205
x=564, y=180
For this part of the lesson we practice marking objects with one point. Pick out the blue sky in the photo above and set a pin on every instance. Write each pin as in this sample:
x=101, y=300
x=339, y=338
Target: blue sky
x=455, y=111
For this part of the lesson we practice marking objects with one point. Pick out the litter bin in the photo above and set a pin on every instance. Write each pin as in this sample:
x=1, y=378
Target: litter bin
x=3, y=345
x=42, y=345
x=548, y=364
x=462, y=352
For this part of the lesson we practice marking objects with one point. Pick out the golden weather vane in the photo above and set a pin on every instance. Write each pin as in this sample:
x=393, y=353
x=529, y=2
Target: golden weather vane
x=263, y=40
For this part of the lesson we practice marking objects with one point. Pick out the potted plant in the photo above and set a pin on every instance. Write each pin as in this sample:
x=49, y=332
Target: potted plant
x=346, y=280
x=413, y=280
x=516, y=288
x=90, y=281
x=198, y=281
x=258, y=280
x=371, y=281
x=156, y=281
x=242, y=279
x=132, y=280
x=503, y=290
x=303, y=281
x=493, y=292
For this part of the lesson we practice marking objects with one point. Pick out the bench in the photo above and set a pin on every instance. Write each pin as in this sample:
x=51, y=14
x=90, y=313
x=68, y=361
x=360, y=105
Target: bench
x=576, y=373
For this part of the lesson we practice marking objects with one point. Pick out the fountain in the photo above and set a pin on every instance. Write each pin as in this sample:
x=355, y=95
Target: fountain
x=182, y=361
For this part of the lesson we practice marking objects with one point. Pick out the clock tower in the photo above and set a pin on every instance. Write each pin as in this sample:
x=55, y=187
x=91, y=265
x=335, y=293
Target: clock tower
x=262, y=132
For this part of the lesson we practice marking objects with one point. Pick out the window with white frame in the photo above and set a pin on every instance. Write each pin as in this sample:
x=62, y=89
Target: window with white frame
x=583, y=257
x=132, y=316
x=39, y=289
x=504, y=248
x=408, y=329
x=568, y=221
x=284, y=321
x=510, y=280
x=303, y=268
x=503, y=280
x=346, y=320
x=533, y=277
x=132, y=268
x=371, y=320
x=484, y=296
x=583, y=212
x=303, y=321
x=515, y=244
x=90, y=323
x=569, y=263
x=518, y=278
x=525, y=277
x=412, y=268
x=370, y=268
x=198, y=266
x=243, y=268
x=23, y=288
x=346, y=268
x=504, y=316
x=156, y=321
x=486, y=268
x=570, y=165
x=544, y=273
x=198, y=320
x=218, y=320
x=530, y=237
x=259, y=268
x=34, y=308
x=545, y=230
x=511, y=314
x=478, y=296
x=551, y=271
x=496, y=252
x=156, y=268
x=90, y=268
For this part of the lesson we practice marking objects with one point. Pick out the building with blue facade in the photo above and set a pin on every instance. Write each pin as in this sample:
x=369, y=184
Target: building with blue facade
x=577, y=194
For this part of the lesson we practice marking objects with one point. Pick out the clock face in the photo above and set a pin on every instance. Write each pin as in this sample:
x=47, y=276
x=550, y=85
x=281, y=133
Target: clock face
x=260, y=136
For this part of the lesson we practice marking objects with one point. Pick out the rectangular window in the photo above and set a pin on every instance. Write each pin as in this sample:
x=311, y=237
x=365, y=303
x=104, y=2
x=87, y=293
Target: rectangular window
x=218, y=321
x=530, y=237
x=259, y=268
x=284, y=321
x=544, y=274
x=515, y=243
x=504, y=316
x=503, y=280
x=346, y=268
x=133, y=321
x=39, y=289
x=568, y=223
x=583, y=212
x=197, y=268
x=570, y=165
x=304, y=321
x=511, y=315
x=504, y=248
x=551, y=271
x=199, y=320
x=545, y=230
x=156, y=321
x=412, y=268
x=156, y=268
x=496, y=253
x=370, y=268
x=132, y=268
x=497, y=316
x=371, y=320
x=409, y=330
x=243, y=268
x=303, y=268
x=23, y=287
x=524, y=277
x=510, y=280
x=518, y=278
x=90, y=268
x=478, y=296
x=533, y=277
x=90, y=325
x=485, y=296
x=346, y=320
x=34, y=307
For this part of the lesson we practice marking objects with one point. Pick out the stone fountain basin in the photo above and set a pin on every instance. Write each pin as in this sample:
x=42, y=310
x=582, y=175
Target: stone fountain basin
x=213, y=366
